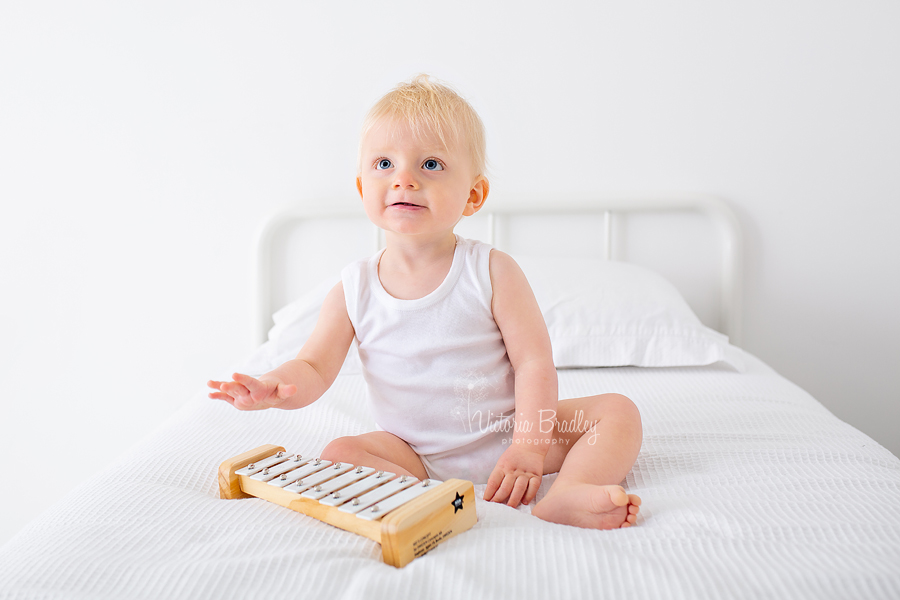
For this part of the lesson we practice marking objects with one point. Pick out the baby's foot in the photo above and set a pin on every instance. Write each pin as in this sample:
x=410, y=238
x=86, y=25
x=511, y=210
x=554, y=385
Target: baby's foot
x=589, y=506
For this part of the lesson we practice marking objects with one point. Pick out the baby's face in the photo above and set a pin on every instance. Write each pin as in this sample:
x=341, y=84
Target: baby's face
x=414, y=184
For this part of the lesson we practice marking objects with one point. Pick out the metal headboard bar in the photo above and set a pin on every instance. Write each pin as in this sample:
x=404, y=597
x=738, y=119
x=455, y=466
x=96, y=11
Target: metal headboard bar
x=492, y=233
x=723, y=218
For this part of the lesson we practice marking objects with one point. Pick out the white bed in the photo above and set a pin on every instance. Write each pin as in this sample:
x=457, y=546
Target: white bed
x=750, y=487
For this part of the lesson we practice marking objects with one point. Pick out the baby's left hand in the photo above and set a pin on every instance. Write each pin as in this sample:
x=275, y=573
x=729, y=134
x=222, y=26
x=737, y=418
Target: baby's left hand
x=516, y=478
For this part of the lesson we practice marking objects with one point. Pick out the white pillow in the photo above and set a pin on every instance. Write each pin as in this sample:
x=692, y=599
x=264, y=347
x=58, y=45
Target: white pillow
x=296, y=321
x=609, y=314
x=294, y=324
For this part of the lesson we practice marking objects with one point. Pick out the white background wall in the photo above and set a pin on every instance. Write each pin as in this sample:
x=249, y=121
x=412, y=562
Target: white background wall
x=141, y=145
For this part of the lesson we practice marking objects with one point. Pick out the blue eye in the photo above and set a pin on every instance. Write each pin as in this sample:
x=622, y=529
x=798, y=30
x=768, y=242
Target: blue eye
x=432, y=165
x=383, y=164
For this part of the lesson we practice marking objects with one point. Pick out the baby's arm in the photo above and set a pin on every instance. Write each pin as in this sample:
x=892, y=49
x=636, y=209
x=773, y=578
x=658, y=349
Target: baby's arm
x=302, y=380
x=517, y=476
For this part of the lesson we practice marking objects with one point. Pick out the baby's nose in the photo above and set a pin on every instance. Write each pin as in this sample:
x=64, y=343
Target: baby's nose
x=405, y=180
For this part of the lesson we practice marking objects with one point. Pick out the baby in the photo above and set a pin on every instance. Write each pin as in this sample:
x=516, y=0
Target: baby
x=453, y=346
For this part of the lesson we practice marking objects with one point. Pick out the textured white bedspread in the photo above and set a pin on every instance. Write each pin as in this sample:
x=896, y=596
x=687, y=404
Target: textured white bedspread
x=750, y=489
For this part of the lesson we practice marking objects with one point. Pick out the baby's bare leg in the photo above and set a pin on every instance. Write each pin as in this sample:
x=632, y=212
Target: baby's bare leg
x=598, y=439
x=379, y=450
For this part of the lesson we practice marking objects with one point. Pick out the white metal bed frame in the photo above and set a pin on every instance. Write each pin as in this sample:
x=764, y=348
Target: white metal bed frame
x=714, y=208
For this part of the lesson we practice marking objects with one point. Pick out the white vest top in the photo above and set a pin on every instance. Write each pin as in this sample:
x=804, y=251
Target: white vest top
x=436, y=367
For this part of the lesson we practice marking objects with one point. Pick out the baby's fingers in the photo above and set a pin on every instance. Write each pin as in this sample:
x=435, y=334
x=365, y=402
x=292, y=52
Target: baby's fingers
x=218, y=394
x=221, y=396
x=235, y=390
x=534, y=484
x=216, y=385
x=239, y=395
x=493, y=484
x=506, y=487
x=520, y=486
x=252, y=384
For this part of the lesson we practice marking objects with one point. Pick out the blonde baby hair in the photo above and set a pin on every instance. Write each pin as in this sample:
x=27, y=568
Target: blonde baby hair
x=432, y=106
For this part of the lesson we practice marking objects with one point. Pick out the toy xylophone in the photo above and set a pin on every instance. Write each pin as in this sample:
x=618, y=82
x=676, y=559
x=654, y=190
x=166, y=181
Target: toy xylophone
x=406, y=516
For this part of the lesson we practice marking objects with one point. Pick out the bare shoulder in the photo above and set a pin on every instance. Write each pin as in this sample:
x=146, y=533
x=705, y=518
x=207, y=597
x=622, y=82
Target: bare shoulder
x=505, y=272
x=335, y=304
x=333, y=316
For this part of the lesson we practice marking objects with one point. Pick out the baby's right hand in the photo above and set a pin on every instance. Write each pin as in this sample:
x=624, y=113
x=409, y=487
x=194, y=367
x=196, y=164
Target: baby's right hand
x=249, y=393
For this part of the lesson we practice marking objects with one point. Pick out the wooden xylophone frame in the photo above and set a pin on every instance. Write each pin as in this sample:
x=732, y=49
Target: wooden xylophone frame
x=404, y=533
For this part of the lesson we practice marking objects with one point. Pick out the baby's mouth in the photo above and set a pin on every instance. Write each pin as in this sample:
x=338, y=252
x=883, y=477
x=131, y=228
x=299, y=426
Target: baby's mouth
x=405, y=204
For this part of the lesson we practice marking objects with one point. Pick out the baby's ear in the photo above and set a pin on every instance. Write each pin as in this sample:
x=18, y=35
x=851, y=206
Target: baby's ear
x=477, y=195
x=359, y=185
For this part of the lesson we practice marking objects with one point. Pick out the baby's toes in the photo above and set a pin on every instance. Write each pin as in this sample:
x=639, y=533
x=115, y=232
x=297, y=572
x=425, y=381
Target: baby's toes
x=617, y=495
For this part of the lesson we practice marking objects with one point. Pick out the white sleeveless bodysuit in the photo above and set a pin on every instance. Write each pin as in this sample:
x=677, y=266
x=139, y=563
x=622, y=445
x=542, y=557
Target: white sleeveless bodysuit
x=436, y=367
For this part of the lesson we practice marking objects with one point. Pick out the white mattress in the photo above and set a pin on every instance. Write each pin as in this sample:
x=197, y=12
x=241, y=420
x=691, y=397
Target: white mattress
x=750, y=489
